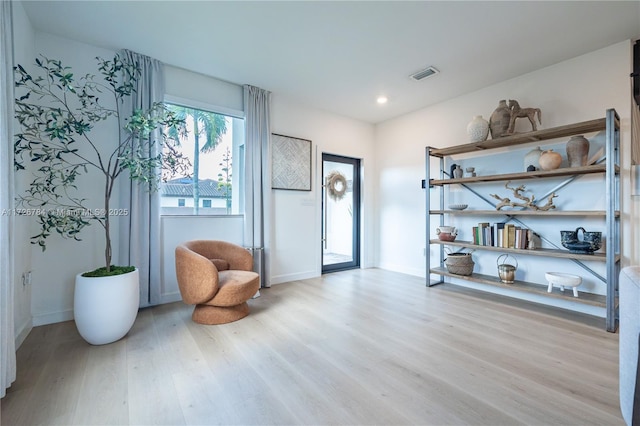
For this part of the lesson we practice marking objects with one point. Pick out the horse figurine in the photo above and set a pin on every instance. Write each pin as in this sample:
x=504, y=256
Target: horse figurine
x=517, y=112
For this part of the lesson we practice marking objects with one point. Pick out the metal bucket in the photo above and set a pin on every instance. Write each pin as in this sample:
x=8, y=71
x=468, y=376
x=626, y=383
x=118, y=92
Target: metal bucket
x=506, y=271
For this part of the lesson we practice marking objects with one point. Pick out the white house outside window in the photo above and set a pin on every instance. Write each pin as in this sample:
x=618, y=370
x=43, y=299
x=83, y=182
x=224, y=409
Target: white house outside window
x=214, y=145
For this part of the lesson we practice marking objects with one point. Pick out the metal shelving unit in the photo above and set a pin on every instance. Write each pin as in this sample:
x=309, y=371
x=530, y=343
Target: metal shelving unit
x=610, y=169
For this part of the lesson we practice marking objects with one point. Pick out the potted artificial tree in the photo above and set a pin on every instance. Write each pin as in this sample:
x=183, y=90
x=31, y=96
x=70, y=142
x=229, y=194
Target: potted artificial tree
x=57, y=114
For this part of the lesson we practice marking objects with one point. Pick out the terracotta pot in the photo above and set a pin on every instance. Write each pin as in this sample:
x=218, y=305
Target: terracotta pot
x=444, y=236
x=550, y=160
x=446, y=233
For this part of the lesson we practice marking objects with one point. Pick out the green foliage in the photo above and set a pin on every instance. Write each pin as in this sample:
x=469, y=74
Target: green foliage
x=111, y=271
x=224, y=178
x=57, y=114
x=206, y=124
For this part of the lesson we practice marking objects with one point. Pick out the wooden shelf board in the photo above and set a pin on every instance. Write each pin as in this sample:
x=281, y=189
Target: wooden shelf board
x=544, y=252
x=523, y=138
x=596, y=213
x=524, y=286
x=565, y=171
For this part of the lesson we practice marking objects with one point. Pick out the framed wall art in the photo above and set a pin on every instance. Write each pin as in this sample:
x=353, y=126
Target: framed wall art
x=291, y=163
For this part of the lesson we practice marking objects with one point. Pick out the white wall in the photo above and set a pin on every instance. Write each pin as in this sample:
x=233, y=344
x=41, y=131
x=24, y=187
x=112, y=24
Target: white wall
x=198, y=88
x=24, y=47
x=54, y=270
x=296, y=225
x=574, y=90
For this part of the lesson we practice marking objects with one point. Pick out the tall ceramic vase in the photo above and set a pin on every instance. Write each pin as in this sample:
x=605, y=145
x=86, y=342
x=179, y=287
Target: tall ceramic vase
x=478, y=129
x=578, y=151
x=499, y=120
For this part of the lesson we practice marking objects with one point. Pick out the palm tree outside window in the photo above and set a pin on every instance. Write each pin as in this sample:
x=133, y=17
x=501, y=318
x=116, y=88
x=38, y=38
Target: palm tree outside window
x=211, y=143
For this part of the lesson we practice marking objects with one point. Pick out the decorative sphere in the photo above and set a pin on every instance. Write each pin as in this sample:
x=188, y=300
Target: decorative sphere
x=550, y=160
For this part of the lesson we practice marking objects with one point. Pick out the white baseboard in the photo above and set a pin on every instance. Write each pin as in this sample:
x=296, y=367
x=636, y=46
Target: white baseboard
x=53, y=317
x=170, y=298
x=22, y=332
x=417, y=272
x=280, y=279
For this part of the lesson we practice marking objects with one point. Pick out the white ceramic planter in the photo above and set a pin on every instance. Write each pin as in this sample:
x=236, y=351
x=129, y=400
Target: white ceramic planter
x=105, y=308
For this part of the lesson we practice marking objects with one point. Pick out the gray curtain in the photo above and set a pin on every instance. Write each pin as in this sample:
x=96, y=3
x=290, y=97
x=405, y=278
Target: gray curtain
x=7, y=330
x=140, y=230
x=258, y=178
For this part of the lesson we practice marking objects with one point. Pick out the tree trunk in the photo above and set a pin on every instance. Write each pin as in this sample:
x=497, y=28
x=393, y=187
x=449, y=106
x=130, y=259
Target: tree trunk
x=196, y=167
x=107, y=235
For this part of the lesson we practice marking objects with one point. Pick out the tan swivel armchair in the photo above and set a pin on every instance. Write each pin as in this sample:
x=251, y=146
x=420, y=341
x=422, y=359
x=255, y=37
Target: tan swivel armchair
x=216, y=276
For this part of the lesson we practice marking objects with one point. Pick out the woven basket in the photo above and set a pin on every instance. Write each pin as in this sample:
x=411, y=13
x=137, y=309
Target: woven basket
x=459, y=263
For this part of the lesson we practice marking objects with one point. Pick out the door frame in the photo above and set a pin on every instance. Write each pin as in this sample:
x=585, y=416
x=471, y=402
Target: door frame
x=356, y=213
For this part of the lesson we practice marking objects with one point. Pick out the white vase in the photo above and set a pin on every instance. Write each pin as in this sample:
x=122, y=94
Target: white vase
x=532, y=158
x=478, y=129
x=105, y=308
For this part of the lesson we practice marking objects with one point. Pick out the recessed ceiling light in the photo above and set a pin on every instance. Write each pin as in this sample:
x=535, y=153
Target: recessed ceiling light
x=382, y=100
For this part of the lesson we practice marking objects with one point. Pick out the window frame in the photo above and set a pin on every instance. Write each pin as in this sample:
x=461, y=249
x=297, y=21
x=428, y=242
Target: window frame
x=216, y=109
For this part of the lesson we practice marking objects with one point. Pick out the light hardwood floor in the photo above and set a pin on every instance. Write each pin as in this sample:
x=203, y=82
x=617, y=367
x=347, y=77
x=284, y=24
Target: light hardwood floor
x=355, y=347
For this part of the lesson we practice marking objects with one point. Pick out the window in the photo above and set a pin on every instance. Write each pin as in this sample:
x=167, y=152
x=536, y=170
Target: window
x=214, y=145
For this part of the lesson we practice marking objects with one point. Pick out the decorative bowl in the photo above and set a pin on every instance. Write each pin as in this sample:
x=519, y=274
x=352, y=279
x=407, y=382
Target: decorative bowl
x=559, y=278
x=458, y=206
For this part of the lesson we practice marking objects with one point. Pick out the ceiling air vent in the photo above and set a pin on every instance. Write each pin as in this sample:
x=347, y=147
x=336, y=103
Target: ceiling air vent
x=427, y=72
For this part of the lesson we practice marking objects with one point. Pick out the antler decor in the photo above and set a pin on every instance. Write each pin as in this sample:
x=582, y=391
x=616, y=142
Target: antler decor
x=528, y=201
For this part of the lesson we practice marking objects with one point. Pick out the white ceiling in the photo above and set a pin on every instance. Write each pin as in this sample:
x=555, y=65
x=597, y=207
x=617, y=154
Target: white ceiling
x=339, y=56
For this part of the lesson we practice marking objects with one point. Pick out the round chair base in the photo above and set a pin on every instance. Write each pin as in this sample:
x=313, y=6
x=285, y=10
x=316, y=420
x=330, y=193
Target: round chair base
x=212, y=315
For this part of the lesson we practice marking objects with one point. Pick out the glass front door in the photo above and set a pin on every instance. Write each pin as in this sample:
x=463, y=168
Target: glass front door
x=340, y=213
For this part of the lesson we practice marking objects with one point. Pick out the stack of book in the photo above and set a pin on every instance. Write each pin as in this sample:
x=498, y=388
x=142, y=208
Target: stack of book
x=505, y=235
